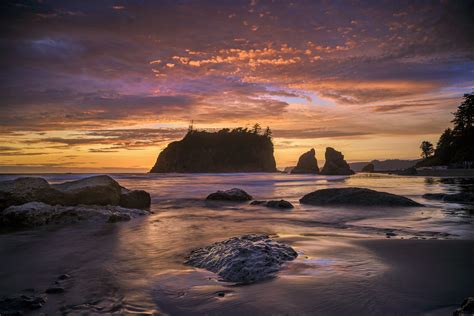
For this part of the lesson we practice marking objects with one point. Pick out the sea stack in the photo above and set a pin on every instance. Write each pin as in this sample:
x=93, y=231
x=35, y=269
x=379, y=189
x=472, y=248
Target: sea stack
x=307, y=163
x=237, y=150
x=368, y=168
x=335, y=163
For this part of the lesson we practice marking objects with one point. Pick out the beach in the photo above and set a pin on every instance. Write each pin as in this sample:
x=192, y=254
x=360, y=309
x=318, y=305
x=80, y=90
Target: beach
x=346, y=263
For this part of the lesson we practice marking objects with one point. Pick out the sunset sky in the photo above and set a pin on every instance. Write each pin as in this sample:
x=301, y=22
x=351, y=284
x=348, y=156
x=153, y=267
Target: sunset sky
x=105, y=85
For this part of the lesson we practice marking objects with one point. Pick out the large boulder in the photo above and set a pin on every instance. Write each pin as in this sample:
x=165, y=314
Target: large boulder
x=26, y=189
x=244, y=259
x=356, y=197
x=274, y=204
x=307, y=163
x=135, y=199
x=335, y=163
x=95, y=190
x=462, y=197
x=466, y=309
x=36, y=214
x=234, y=195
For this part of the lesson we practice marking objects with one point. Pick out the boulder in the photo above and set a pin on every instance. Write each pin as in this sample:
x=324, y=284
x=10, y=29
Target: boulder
x=244, y=259
x=35, y=214
x=356, y=197
x=135, y=199
x=307, y=163
x=95, y=190
x=335, y=163
x=274, y=204
x=466, y=309
x=462, y=197
x=20, y=304
x=235, y=195
x=368, y=168
x=26, y=189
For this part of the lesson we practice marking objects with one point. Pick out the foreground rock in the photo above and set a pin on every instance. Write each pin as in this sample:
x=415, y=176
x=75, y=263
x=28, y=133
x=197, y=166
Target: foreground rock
x=245, y=259
x=463, y=197
x=356, y=197
x=307, y=163
x=335, y=163
x=235, y=195
x=96, y=190
x=274, y=204
x=17, y=305
x=466, y=309
x=35, y=214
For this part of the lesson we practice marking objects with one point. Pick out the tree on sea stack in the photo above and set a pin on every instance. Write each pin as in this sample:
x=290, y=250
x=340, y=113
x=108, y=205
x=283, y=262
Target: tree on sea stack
x=426, y=149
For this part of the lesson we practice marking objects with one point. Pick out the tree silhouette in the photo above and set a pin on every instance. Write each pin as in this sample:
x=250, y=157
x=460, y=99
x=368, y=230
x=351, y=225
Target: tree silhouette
x=426, y=149
x=256, y=128
x=268, y=132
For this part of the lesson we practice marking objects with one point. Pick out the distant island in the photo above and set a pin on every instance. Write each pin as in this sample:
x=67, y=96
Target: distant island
x=385, y=165
x=227, y=150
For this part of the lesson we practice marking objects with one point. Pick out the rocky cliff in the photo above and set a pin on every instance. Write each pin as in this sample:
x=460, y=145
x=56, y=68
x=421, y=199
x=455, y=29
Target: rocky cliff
x=237, y=150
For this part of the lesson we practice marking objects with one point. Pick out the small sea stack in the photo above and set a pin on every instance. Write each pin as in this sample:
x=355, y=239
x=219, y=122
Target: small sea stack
x=307, y=163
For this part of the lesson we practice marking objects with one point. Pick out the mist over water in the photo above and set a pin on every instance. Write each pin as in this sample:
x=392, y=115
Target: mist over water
x=137, y=266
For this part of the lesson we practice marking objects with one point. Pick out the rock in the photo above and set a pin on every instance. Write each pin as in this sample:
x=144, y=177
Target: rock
x=17, y=305
x=96, y=190
x=135, y=199
x=36, y=214
x=244, y=259
x=466, y=309
x=390, y=234
x=335, y=163
x=54, y=290
x=368, y=168
x=238, y=150
x=118, y=217
x=24, y=190
x=463, y=197
x=64, y=276
x=274, y=203
x=230, y=195
x=307, y=163
x=356, y=197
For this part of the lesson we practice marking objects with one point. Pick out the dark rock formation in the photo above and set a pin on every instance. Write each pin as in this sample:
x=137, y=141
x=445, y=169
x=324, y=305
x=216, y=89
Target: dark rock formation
x=225, y=151
x=356, y=197
x=274, y=204
x=17, y=305
x=466, y=309
x=36, y=214
x=96, y=190
x=369, y=168
x=463, y=197
x=244, y=259
x=235, y=195
x=307, y=163
x=335, y=163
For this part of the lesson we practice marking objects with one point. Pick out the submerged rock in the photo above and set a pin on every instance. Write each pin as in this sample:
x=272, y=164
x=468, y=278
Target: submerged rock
x=244, y=259
x=95, y=190
x=335, y=163
x=307, y=163
x=463, y=197
x=234, y=194
x=274, y=203
x=36, y=214
x=356, y=197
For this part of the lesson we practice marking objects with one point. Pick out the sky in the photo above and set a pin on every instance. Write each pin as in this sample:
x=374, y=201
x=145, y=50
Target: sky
x=104, y=86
